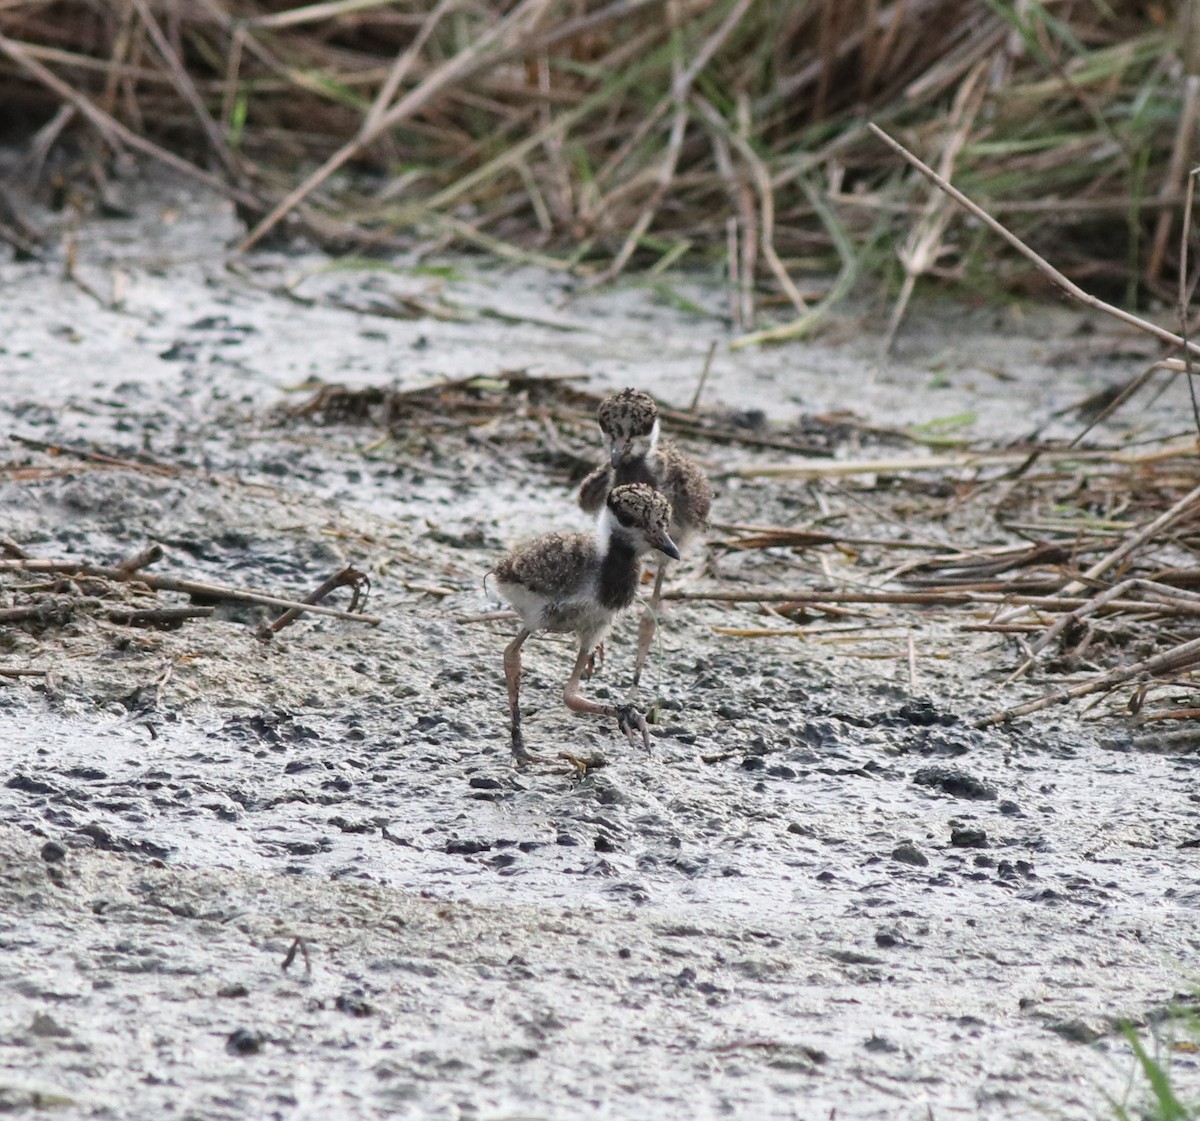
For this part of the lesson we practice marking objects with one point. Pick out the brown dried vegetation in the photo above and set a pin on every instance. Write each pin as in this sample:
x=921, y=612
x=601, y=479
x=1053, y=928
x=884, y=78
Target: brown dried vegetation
x=594, y=133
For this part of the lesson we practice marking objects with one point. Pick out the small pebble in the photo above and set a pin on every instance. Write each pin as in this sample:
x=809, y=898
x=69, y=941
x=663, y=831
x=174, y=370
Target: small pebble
x=908, y=853
x=968, y=838
x=242, y=1041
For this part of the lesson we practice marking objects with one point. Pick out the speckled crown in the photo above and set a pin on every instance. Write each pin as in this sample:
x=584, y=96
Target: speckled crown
x=637, y=504
x=628, y=413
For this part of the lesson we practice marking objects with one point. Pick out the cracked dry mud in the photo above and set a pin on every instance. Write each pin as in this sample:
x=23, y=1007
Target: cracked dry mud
x=822, y=890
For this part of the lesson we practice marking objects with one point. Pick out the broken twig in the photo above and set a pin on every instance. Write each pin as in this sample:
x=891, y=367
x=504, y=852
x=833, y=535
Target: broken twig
x=195, y=588
x=346, y=577
x=1171, y=661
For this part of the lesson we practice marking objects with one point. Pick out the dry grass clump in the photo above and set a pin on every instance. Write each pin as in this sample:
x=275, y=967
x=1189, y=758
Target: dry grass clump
x=594, y=133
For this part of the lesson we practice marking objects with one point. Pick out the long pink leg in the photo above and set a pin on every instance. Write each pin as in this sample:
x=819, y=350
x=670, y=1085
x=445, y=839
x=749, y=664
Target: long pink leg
x=512, y=676
x=594, y=662
x=648, y=624
x=628, y=718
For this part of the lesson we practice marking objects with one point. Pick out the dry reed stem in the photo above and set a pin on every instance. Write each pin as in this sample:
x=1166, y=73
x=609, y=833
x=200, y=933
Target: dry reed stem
x=831, y=468
x=739, y=236
x=694, y=407
x=923, y=247
x=1127, y=548
x=314, y=13
x=733, y=259
x=404, y=63
x=563, y=195
x=466, y=62
x=96, y=457
x=1182, y=603
x=800, y=327
x=766, y=201
x=1069, y=286
x=1185, y=292
x=1136, y=540
x=1171, y=661
x=345, y=577
x=946, y=597
x=1130, y=390
x=1181, y=154
x=187, y=88
x=111, y=129
x=589, y=21
x=769, y=537
x=670, y=158
x=176, y=584
x=1172, y=714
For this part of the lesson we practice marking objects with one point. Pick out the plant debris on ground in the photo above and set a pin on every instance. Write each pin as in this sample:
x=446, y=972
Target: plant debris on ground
x=1089, y=565
x=1098, y=577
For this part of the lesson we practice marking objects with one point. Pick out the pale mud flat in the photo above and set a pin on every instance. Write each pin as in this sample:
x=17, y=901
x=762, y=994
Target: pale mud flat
x=766, y=917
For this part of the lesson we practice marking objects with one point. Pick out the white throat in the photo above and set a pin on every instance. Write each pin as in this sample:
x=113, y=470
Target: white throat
x=604, y=529
x=607, y=527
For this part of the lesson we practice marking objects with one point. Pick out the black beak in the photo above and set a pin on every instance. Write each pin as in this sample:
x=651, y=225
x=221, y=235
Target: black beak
x=667, y=547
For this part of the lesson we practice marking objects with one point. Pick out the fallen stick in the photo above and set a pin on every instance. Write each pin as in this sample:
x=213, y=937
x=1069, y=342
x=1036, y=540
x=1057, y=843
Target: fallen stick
x=148, y=556
x=1172, y=714
x=823, y=637
x=1182, y=602
x=769, y=537
x=1003, y=628
x=347, y=576
x=175, y=584
x=1177, y=658
x=1132, y=543
x=485, y=617
x=156, y=616
x=93, y=457
x=60, y=609
x=824, y=468
x=945, y=598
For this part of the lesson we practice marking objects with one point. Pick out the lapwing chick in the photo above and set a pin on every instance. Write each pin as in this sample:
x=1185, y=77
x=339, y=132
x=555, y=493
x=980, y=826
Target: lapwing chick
x=629, y=421
x=575, y=583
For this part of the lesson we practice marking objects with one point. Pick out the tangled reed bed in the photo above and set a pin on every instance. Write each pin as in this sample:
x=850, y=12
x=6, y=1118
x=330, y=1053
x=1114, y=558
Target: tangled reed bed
x=1094, y=585
x=594, y=134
